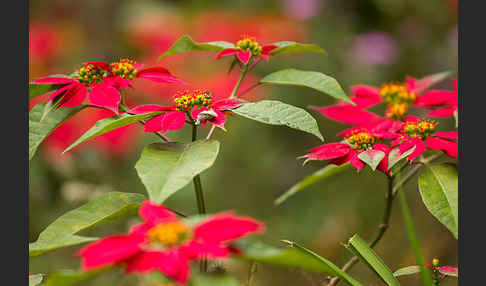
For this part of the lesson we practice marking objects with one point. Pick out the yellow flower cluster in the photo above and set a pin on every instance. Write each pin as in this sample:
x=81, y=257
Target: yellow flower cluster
x=421, y=129
x=361, y=140
x=250, y=44
x=396, y=110
x=169, y=234
x=88, y=74
x=186, y=99
x=125, y=68
x=398, y=98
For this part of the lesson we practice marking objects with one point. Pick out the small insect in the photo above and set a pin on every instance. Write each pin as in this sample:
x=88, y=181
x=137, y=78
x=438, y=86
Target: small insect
x=205, y=115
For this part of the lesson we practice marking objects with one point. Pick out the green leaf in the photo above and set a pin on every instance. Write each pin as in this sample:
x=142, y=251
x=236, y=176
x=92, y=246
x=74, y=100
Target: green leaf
x=35, y=279
x=295, y=256
x=360, y=248
x=414, y=269
x=438, y=187
x=288, y=47
x=72, y=277
x=185, y=44
x=456, y=118
x=213, y=279
x=165, y=168
x=39, y=89
x=311, y=79
x=274, y=112
x=38, y=131
x=394, y=156
x=324, y=173
x=372, y=157
x=106, y=125
x=61, y=233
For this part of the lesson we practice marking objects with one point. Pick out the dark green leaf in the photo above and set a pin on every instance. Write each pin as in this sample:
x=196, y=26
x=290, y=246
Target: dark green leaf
x=38, y=131
x=165, y=168
x=106, y=125
x=39, y=89
x=72, y=277
x=414, y=269
x=295, y=256
x=311, y=79
x=438, y=187
x=288, y=47
x=278, y=113
x=394, y=156
x=35, y=279
x=61, y=233
x=360, y=248
x=372, y=157
x=326, y=172
x=185, y=44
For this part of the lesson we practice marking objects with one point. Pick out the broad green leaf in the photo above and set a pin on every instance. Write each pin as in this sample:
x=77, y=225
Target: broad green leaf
x=39, y=130
x=311, y=79
x=61, y=233
x=106, y=125
x=72, y=277
x=274, y=112
x=165, y=168
x=186, y=44
x=35, y=279
x=326, y=172
x=39, y=89
x=456, y=118
x=360, y=248
x=288, y=47
x=294, y=256
x=414, y=269
x=394, y=156
x=412, y=237
x=438, y=187
x=372, y=157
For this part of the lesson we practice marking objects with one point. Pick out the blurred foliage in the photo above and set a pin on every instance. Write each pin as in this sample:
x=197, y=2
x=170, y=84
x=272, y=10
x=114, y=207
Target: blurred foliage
x=367, y=41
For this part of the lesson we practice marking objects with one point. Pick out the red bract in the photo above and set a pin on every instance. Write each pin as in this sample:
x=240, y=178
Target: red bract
x=246, y=49
x=444, y=102
x=215, y=112
x=419, y=133
x=104, y=83
x=166, y=244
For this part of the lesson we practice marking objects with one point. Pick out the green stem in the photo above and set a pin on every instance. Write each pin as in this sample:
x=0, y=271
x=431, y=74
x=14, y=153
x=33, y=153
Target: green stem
x=237, y=86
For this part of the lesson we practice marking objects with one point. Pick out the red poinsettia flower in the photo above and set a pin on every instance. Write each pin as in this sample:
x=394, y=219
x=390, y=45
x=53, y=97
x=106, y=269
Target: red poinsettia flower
x=445, y=100
x=166, y=244
x=398, y=98
x=246, y=49
x=419, y=133
x=174, y=117
x=104, y=82
x=343, y=152
x=444, y=270
x=380, y=128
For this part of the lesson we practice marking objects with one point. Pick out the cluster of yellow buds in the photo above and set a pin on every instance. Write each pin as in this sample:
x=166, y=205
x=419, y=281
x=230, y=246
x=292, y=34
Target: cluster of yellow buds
x=397, y=93
x=186, y=99
x=169, y=234
x=249, y=44
x=361, y=140
x=89, y=73
x=421, y=129
x=125, y=68
x=396, y=110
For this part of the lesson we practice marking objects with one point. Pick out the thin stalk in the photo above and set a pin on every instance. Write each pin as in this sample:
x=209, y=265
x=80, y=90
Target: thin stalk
x=237, y=86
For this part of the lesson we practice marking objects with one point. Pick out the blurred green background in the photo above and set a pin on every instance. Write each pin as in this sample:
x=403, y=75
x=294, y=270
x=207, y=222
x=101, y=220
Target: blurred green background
x=368, y=42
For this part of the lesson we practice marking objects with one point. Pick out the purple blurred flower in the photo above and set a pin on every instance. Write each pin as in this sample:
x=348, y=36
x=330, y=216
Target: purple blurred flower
x=302, y=9
x=374, y=48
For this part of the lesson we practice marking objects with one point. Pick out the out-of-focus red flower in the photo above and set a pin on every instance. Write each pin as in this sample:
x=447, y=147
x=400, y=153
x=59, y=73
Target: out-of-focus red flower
x=166, y=244
x=444, y=102
x=44, y=41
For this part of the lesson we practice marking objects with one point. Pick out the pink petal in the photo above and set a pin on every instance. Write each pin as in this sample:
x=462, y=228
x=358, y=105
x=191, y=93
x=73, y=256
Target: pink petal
x=348, y=114
x=356, y=162
x=147, y=108
x=105, y=96
x=443, y=112
x=328, y=151
x=172, y=263
x=419, y=149
x=226, y=104
x=244, y=57
x=226, y=227
x=435, y=98
x=455, y=85
x=109, y=250
x=268, y=48
x=448, y=270
x=154, y=124
x=101, y=65
x=54, y=80
x=140, y=229
x=447, y=135
x=154, y=213
x=383, y=166
x=449, y=147
x=226, y=52
x=199, y=250
x=117, y=82
x=173, y=120
x=412, y=118
x=74, y=96
x=365, y=95
x=342, y=160
x=219, y=120
x=158, y=74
